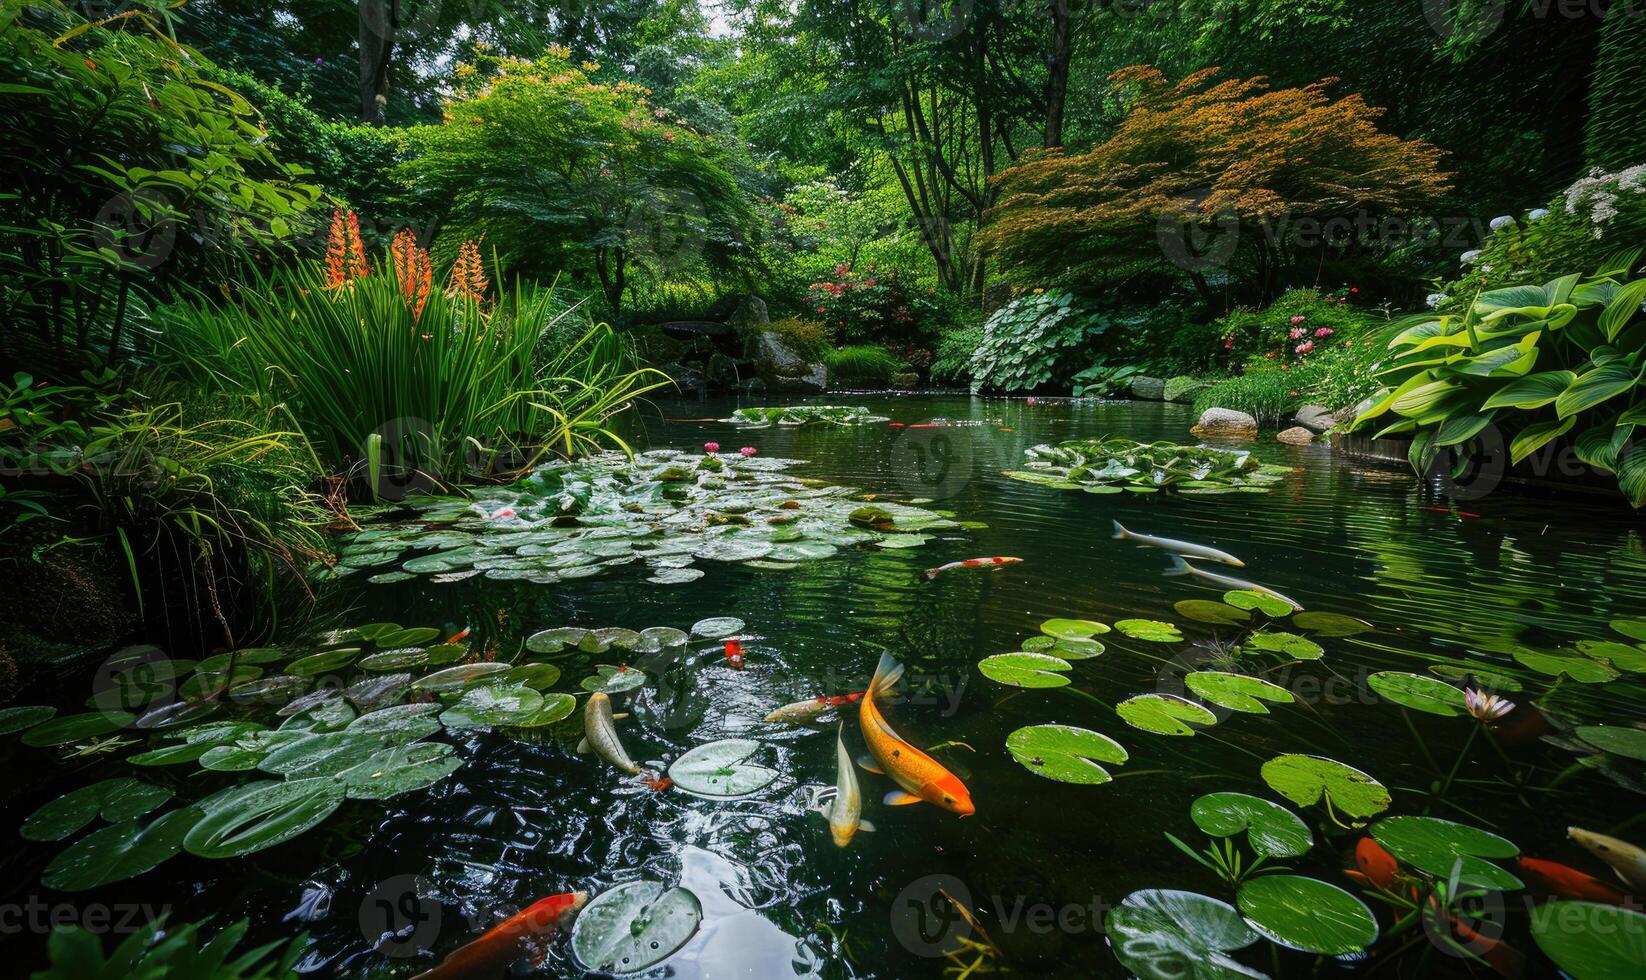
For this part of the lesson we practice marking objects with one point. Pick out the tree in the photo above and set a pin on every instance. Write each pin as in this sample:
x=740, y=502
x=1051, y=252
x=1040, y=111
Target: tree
x=1244, y=165
x=559, y=171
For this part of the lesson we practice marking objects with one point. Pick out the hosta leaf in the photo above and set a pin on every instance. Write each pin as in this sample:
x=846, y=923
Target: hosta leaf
x=1532, y=391
x=1594, y=387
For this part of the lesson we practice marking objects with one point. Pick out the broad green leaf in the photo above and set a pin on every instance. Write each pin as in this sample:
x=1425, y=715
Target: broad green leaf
x=1535, y=436
x=1262, y=602
x=255, y=816
x=123, y=850
x=1591, y=941
x=1580, y=669
x=1160, y=934
x=722, y=770
x=1031, y=670
x=493, y=706
x=1072, y=629
x=1149, y=630
x=1532, y=391
x=1307, y=914
x=1237, y=692
x=1418, y=692
x=119, y=799
x=1271, y=829
x=1065, y=753
x=1616, y=739
x=1594, y=387
x=1164, y=714
x=1309, y=779
x=634, y=926
x=72, y=728
x=1215, y=613
x=1290, y=644
x=1444, y=848
x=23, y=717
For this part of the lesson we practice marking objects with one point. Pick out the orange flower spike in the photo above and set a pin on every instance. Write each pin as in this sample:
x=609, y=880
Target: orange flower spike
x=336, y=251
x=356, y=261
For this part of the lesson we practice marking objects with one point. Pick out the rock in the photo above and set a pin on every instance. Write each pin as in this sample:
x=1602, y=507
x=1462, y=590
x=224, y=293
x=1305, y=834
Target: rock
x=1225, y=422
x=1297, y=435
x=813, y=380
x=749, y=316
x=689, y=380
x=1316, y=418
x=773, y=355
x=1148, y=389
x=906, y=381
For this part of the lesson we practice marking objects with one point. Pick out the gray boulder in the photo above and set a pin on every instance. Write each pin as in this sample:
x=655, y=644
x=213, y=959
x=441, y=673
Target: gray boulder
x=773, y=355
x=1148, y=389
x=1297, y=435
x=750, y=315
x=1225, y=422
x=1316, y=418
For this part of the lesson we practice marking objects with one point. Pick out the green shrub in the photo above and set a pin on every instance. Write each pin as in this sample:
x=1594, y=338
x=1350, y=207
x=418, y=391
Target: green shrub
x=862, y=364
x=1103, y=380
x=952, y=363
x=178, y=952
x=1182, y=387
x=1336, y=378
x=808, y=338
x=1302, y=318
x=1033, y=340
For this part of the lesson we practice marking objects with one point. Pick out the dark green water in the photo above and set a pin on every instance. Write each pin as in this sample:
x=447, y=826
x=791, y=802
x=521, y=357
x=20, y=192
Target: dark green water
x=1040, y=860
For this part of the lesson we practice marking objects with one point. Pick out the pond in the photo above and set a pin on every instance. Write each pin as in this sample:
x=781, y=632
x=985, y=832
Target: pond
x=1502, y=588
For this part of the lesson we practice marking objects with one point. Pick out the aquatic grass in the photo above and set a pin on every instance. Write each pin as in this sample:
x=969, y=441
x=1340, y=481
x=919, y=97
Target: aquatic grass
x=400, y=396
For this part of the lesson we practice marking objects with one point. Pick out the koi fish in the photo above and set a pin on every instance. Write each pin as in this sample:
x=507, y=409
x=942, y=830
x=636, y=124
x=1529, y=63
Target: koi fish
x=498, y=948
x=1375, y=863
x=845, y=809
x=896, y=425
x=1625, y=858
x=734, y=654
x=990, y=563
x=807, y=711
x=1568, y=882
x=920, y=777
x=460, y=635
x=657, y=784
x=600, y=734
x=1448, y=510
x=1188, y=548
x=1181, y=567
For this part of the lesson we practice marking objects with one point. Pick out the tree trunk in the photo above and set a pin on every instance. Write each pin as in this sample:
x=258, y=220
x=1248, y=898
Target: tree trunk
x=1057, y=70
x=377, y=23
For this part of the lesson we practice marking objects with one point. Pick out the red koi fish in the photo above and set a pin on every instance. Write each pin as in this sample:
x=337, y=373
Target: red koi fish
x=811, y=709
x=656, y=783
x=460, y=635
x=1568, y=882
x=927, y=425
x=734, y=654
x=1376, y=864
x=498, y=948
x=896, y=425
x=990, y=563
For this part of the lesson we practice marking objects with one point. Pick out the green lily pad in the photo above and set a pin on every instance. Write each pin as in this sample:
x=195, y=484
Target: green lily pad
x=404, y=718
x=665, y=636
x=1150, y=630
x=115, y=800
x=614, y=679
x=1580, y=669
x=1161, y=934
x=556, y=707
x=1442, y=848
x=400, y=769
x=1620, y=655
x=717, y=628
x=1065, y=753
x=1492, y=681
x=458, y=677
x=115, y=853
x=1237, y=692
x=1307, y=914
x=1073, y=629
x=721, y=770
x=326, y=753
x=492, y=706
x=1419, y=693
x=255, y=816
x=1616, y=739
x=1215, y=613
x=1037, y=644
x=24, y=717
x=1164, y=714
x=415, y=636
x=1262, y=602
x=1330, y=624
x=1290, y=644
x=634, y=926
x=555, y=640
x=1634, y=629
x=1271, y=829
x=73, y=728
x=1590, y=941
x=402, y=658
x=1029, y=670
x=538, y=677
x=324, y=662
x=1309, y=779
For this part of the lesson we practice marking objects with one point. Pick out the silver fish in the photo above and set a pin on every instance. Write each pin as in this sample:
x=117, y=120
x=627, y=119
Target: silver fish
x=1625, y=858
x=1181, y=567
x=1188, y=548
x=845, y=810
x=600, y=734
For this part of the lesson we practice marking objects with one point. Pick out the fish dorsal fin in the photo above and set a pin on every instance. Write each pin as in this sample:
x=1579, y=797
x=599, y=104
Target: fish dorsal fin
x=899, y=797
x=583, y=746
x=870, y=765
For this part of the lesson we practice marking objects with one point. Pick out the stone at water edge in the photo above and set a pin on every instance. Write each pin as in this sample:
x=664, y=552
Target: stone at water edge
x=786, y=370
x=1316, y=418
x=1148, y=389
x=1297, y=435
x=1225, y=422
x=751, y=314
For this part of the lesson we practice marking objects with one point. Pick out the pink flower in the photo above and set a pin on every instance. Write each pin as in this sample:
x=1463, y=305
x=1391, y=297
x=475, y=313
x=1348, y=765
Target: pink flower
x=1298, y=332
x=1031, y=400
x=748, y=451
x=1354, y=289
x=1305, y=347
x=1228, y=343
x=1486, y=707
x=1323, y=332
x=1298, y=319
x=711, y=447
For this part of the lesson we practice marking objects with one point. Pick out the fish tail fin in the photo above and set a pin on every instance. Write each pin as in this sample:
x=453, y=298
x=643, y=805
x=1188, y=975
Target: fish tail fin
x=1120, y=532
x=932, y=573
x=886, y=675
x=1179, y=567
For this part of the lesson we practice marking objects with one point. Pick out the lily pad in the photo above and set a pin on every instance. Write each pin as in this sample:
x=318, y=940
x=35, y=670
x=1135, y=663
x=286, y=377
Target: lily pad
x=1418, y=692
x=555, y=640
x=1290, y=644
x=634, y=927
x=1072, y=629
x=721, y=770
x=1151, y=630
x=717, y=628
x=1161, y=934
x=402, y=658
x=1076, y=648
x=614, y=679
x=73, y=728
x=1237, y=692
x=1307, y=914
x=24, y=717
x=1634, y=629
x=414, y=636
x=1330, y=624
x=458, y=677
x=1215, y=613
x=492, y=706
x=1164, y=714
x=1616, y=739
x=1442, y=848
x=1590, y=941
x=1620, y=655
x=556, y=707
x=324, y=662
x=1580, y=669
x=675, y=576
x=1029, y=670
x=118, y=852
x=1491, y=680
x=255, y=816
x=115, y=800
x=1262, y=602
x=400, y=769
x=1065, y=753
x=1309, y=779
x=1271, y=829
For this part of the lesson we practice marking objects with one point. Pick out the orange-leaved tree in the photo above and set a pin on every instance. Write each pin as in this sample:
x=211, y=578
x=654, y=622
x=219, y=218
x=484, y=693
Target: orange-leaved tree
x=1207, y=175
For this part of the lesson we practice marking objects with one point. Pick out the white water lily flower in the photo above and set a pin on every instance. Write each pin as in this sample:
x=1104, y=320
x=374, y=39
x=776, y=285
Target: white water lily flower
x=1486, y=707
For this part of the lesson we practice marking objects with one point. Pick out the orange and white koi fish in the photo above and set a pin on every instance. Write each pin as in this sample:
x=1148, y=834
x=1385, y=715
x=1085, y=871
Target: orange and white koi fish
x=1624, y=858
x=488, y=957
x=807, y=711
x=1377, y=865
x=920, y=778
x=600, y=734
x=460, y=635
x=1568, y=882
x=845, y=809
x=990, y=563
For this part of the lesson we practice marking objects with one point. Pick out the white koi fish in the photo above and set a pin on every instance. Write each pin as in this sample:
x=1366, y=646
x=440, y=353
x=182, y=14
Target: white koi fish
x=1181, y=567
x=1625, y=858
x=990, y=563
x=600, y=734
x=844, y=809
x=1188, y=548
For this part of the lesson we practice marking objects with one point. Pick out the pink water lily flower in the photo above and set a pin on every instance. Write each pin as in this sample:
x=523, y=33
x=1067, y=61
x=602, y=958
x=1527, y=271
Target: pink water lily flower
x=748, y=451
x=1486, y=707
x=711, y=447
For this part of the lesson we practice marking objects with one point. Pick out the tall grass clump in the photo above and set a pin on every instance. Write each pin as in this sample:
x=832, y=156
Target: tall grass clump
x=406, y=385
x=862, y=364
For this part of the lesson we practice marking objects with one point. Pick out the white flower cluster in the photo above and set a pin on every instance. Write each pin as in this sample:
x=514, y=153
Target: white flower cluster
x=1597, y=194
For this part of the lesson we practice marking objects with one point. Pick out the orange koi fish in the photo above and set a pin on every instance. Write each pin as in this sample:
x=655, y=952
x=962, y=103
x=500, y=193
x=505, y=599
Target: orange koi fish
x=460, y=635
x=809, y=710
x=734, y=654
x=1568, y=882
x=920, y=777
x=1377, y=865
x=498, y=948
x=990, y=563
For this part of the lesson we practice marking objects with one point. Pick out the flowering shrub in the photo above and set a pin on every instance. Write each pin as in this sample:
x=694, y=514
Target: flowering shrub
x=1296, y=326
x=869, y=306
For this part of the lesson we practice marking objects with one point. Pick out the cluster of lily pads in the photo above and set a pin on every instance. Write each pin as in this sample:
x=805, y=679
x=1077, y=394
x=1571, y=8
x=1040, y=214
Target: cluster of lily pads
x=665, y=509
x=761, y=417
x=1120, y=465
